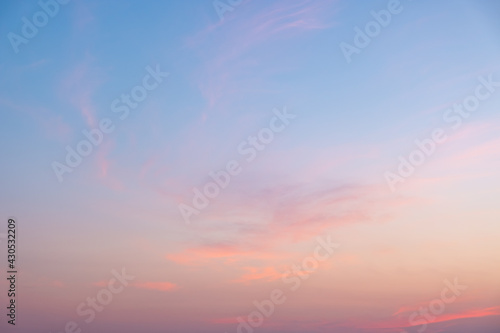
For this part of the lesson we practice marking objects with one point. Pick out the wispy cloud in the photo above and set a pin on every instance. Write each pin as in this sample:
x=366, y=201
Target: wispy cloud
x=226, y=64
x=79, y=86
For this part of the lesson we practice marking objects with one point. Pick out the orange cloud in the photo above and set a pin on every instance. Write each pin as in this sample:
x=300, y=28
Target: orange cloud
x=100, y=284
x=160, y=286
x=227, y=320
x=58, y=284
x=203, y=253
x=259, y=273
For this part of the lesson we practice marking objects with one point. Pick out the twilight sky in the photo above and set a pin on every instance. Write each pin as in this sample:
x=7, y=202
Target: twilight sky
x=303, y=166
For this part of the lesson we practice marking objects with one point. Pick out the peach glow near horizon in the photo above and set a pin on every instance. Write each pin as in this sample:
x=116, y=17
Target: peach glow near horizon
x=248, y=166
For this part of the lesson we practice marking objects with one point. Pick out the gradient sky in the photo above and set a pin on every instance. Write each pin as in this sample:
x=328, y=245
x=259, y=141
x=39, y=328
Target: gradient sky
x=322, y=176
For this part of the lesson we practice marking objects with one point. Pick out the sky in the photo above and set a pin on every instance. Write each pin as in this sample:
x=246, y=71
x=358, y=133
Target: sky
x=299, y=166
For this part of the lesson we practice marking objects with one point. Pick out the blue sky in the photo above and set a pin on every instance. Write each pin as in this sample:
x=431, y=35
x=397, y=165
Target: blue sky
x=323, y=174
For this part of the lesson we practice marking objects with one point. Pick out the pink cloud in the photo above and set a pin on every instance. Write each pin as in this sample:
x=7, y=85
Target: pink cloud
x=261, y=223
